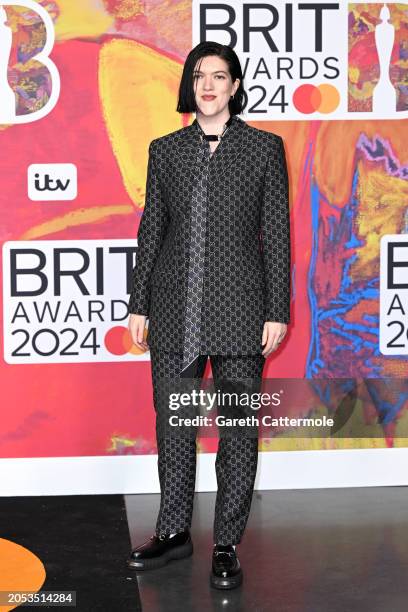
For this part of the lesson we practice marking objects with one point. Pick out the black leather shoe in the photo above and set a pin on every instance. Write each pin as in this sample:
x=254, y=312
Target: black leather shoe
x=226, y=570
x=159, y=550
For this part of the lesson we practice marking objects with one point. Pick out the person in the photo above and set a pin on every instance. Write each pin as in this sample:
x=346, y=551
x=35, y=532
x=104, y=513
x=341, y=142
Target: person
x=212, y=275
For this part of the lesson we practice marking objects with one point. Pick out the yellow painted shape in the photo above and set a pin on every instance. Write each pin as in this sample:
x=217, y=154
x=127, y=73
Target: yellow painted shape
x=381, y=211
x=363, y=92
x=81, y=216
x=128, y=9
x=292, y=439
x=138, y=91
x=79, y=18
x=335, y=152
x=296, y=444
x=354, y=74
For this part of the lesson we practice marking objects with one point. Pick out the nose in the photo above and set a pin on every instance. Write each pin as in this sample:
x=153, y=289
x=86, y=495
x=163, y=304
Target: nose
x=207, y=83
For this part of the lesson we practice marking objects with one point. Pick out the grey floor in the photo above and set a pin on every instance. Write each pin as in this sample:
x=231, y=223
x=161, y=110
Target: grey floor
x=320, y=550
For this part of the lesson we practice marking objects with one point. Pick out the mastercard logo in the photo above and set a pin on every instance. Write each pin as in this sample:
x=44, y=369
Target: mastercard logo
x=323, y=98
x=118, y=341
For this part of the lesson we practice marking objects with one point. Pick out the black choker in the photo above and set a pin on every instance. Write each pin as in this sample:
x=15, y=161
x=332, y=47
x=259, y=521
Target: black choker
x=212, y=137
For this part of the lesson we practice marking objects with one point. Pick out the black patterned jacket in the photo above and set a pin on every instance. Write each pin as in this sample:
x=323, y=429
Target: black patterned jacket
x=247, y=271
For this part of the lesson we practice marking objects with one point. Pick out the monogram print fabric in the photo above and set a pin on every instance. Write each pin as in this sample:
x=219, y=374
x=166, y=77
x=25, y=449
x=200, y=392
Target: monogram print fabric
x=246, y=279
x=192, y=327
x=236, y=460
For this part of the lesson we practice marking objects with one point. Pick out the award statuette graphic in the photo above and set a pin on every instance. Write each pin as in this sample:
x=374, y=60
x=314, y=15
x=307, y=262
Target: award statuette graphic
x=8, y=115
x=7, y=97
x=384, y=94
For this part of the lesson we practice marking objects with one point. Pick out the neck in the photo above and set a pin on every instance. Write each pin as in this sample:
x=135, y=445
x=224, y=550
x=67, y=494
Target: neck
x=213, y=124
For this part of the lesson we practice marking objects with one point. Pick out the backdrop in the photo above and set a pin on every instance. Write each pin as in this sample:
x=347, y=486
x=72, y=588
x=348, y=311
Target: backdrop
x=85, y=85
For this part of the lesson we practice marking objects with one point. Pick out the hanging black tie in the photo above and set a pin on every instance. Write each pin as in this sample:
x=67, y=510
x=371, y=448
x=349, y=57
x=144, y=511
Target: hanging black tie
x=192, y=324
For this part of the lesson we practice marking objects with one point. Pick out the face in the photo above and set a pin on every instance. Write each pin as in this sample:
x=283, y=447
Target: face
x=213, y=85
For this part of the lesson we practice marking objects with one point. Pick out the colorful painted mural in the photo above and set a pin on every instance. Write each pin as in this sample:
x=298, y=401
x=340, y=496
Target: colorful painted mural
x=120, y=64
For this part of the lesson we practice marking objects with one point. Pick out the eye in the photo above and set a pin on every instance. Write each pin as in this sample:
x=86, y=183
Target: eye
x=221, y=76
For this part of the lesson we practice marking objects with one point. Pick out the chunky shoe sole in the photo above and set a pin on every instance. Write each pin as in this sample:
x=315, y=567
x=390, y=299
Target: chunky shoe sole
x=226, y=583
x=179, y=552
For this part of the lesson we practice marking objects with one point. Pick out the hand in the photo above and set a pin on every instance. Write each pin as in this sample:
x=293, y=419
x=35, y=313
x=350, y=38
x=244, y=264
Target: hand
x=136, y=327
x=273, y=334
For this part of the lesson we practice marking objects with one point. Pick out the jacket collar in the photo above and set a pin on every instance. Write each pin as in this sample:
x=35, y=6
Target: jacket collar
x=228, y=150
x=231, y=120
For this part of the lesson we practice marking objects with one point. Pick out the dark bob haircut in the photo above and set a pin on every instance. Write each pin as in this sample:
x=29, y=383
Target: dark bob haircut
x=186, y=99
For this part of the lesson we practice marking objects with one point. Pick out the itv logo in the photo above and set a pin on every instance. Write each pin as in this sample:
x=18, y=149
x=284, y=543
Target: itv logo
x=48, y=182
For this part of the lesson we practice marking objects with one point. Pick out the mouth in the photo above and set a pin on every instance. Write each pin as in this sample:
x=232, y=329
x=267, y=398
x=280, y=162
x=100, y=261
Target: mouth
x=208, y=98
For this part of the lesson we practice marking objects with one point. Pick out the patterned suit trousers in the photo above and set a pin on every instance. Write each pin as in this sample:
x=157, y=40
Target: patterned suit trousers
x=236, y=460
